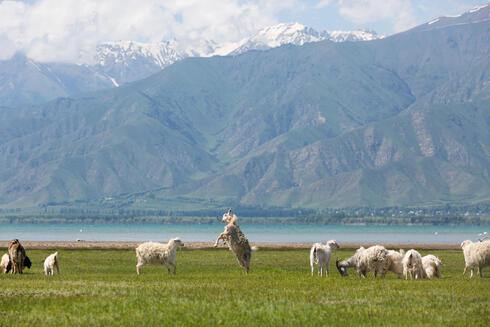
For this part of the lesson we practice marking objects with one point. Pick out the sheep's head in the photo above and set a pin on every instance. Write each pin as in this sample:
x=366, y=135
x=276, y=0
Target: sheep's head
x=465, y=243
x=229, y=218
x=333, y=244
x=176, y=242
x=341, y=268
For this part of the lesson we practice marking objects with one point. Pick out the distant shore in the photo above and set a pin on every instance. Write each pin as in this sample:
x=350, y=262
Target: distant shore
x=204, y=245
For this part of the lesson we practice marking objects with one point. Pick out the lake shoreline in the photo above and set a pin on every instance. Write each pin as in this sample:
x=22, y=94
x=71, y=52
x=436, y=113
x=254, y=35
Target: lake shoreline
x=204, y=245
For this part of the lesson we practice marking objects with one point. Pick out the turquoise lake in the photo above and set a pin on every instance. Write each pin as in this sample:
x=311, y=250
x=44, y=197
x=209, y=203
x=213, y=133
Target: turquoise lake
x=255, y=233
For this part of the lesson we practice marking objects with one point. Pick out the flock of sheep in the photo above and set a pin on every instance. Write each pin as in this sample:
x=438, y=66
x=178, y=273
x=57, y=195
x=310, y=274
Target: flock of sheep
x=16, y=260
x=375, y=258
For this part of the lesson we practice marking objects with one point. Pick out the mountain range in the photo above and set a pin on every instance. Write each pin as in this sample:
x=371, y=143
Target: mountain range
x=401, y=120
x=25, y=81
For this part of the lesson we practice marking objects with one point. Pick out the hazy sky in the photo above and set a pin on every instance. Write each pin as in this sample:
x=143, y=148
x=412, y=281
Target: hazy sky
x=68, y=30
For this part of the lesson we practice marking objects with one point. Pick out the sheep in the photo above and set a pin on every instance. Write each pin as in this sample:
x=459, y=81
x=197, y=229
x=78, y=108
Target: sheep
x=17, y=256
x=394, y=263
x=412, y=264
x=5, y=264
x=236, y=240
x=158, y=253
x=50, y=262
x=476, y=255
x=432, y=266
x=364, y=260
x=320, y=254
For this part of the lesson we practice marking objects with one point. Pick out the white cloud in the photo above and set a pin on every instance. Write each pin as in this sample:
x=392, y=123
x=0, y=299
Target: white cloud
x=69, y=30
x=323, y=3
x=398, y=12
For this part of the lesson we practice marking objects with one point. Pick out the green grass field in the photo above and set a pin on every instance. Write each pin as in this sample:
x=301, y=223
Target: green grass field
x=101, y=288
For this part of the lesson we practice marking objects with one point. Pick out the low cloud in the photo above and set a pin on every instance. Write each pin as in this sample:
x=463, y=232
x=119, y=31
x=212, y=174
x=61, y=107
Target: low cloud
x=398, y=12
x=69, y=30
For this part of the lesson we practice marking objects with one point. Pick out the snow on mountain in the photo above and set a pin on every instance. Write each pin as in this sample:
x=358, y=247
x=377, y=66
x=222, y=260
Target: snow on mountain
x=127, y=61
x=293, y=33
x=472, y=16
x=161, y=54
x=353, y=36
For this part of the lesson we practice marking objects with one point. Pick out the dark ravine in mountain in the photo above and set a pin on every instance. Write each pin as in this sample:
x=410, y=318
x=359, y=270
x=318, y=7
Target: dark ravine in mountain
x=397, y=121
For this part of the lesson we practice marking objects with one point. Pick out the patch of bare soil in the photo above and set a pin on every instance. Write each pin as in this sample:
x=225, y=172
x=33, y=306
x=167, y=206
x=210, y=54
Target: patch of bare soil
x=203, y=245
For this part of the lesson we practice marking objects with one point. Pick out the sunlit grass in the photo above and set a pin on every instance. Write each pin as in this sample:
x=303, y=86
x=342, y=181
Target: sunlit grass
x=100, y=287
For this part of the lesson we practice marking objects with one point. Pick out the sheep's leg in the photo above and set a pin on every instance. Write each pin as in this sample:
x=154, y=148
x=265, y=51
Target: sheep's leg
x=220, y=237
x=168, y=268
x=465, y=268
x=175, y=267
x=471, y=276
x=57, y=267
x=312, y=270
x=327, y=271
x=320, y=270
x=138, y=268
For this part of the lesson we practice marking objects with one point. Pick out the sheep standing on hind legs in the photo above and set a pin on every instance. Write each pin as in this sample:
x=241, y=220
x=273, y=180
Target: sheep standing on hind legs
x=476, y=255
x=158, y=253
x=236, y=240
x=320, y=255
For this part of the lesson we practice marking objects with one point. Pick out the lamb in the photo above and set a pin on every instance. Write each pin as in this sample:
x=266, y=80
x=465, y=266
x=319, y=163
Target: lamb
x=5, y=264
x=432, y=266
x=50, y=262
x=364, y=260
x=320, y=254
x=476, y=255
x=236, y=240
x=17, y=255
x=158, y=253
x=412, y=264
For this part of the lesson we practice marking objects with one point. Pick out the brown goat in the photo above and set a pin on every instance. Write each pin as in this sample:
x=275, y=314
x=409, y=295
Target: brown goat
x=17, y=256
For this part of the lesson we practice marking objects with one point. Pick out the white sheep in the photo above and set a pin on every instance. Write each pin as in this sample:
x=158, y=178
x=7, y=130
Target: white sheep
x=412, y=264
x=476, y=255
x=236, y=241
x=364, y=260
x=50, y=262
x=394, y=263
x=158, y=253
x=320, y=254
x=432, y=266
x=5, y=263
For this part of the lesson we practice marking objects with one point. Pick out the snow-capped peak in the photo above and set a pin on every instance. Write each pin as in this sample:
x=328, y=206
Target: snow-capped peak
x=292, y=33
x=162, y=53
x=126, y=61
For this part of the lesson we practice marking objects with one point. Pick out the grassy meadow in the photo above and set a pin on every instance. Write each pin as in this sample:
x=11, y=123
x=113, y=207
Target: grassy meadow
x=101, y=288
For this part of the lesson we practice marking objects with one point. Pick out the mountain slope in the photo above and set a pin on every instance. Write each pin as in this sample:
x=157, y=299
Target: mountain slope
x=23, y=81
x=396, y=121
